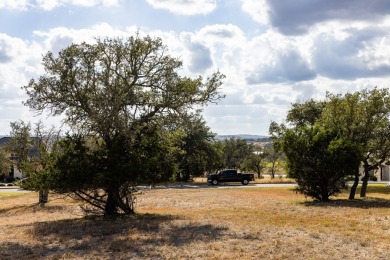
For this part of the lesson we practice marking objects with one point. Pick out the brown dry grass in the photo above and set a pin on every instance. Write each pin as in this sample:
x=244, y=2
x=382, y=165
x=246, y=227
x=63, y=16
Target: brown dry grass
x=202, y=223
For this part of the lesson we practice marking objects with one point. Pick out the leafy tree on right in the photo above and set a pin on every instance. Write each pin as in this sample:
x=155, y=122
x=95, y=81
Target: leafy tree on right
x=355, y=122
x=364, y=118
x=319, y=160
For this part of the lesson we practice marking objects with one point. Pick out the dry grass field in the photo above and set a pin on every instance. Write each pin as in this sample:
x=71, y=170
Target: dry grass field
x=201, y=223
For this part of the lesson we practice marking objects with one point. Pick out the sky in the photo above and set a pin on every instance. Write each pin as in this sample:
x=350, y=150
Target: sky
x=273, y=52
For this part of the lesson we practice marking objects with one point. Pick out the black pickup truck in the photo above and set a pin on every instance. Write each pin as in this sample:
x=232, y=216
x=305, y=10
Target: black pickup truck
x=230, y=176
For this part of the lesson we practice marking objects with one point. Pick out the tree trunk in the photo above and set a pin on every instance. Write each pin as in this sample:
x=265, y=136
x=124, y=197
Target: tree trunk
x=325, y=198
x=43, y=196
x=354, y=186
x=258, y=172
x=324, y=194
x=381, y=172
x=273, y=170
x=365, y=180
x=111, y=205
x=116, y=203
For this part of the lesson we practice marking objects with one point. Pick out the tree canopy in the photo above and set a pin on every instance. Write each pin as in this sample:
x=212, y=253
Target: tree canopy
x=197, y=154
x=364, y=118
x=235, y=151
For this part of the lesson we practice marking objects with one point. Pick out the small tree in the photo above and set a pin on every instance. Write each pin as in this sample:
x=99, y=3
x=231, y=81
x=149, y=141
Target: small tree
x=235, y=151
x=274, y=157
x=361, y=117
x=255, y=162
x=196, y=147
x=34, y=154
x=20, y=143
x=319, y=160
x=39, y=166
x=5, y=162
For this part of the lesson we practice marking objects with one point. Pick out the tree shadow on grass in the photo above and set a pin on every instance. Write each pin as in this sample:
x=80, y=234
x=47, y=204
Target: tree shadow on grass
x=137, y=236
x=365, y=203
x=14, y=250
x=32, y=208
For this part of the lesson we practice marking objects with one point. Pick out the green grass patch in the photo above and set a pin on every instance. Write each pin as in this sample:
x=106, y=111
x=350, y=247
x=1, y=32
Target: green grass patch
x=376, y=188
x=7, y=194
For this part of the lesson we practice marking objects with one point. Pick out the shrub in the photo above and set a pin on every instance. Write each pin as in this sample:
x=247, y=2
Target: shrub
x=10, y=179
x=319, y=160
x=373, y=178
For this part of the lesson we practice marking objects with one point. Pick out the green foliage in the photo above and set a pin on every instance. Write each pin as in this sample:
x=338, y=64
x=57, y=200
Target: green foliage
x=197, y=154
x=235, y=151
x=93, y=170
x=255, y=162
x=305, y=113
x=20, y=143
x=275, y=157
x=122, y=98
x=111, y=85
x=319, y=160
x=34, y=155
x=363, y=117
x=360, y=117
x=5, y=162
x=217, y=162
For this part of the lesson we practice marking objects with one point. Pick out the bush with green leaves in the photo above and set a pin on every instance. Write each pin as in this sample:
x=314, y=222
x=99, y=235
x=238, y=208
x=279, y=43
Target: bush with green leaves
x=319, y=160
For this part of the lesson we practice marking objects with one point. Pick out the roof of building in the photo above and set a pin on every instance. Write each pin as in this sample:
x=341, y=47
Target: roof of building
x=33, y=151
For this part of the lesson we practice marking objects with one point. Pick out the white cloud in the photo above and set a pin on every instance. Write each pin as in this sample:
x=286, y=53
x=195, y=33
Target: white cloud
x=59, y=38
x=14, y=4
x=48, y=5
x=257, y=9
x=225, y=43
x=274, y=58
x=185, y=7
x=22, y=62
x=21, y=56
x=250, y=109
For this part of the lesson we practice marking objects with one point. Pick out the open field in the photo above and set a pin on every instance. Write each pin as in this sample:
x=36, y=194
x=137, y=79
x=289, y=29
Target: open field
x=202, y=223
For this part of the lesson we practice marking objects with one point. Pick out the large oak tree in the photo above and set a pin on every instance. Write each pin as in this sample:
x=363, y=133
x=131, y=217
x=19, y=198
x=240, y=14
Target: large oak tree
x=116, y=95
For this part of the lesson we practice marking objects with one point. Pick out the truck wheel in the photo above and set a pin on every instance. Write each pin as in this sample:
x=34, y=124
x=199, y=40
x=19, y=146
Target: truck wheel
x=245, y=182
x=214, y=182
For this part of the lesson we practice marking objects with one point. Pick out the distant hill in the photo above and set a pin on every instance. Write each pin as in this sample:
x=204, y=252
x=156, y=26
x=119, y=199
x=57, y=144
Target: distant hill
x=243, y=136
